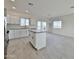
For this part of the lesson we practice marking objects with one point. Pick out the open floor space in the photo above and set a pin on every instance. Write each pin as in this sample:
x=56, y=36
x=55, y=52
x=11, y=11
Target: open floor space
x=58, y=47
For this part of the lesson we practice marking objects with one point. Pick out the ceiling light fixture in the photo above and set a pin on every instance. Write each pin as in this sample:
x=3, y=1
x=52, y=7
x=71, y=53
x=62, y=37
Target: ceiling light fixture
x=13, y=7
x=26, y=11
x=12, y=0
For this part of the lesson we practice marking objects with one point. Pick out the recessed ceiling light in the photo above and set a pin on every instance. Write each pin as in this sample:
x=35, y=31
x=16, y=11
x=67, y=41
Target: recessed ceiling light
x=12, y=0
x=26, y=11
x=13, y=7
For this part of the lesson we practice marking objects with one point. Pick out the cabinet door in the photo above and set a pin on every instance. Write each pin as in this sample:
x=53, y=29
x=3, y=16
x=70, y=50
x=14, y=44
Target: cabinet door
x=41, y=40
x=24, y=32
x=17, y=33
x=11, y=34
x=21, y=33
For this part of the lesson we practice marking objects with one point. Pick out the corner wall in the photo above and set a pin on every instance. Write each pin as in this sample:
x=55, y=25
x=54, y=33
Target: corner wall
x=67, y=26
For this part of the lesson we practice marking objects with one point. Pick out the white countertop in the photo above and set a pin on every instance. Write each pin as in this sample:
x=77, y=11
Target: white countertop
x=38, y=31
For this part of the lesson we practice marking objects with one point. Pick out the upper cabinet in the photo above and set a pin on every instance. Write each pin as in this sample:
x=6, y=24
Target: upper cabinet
x=13, y=19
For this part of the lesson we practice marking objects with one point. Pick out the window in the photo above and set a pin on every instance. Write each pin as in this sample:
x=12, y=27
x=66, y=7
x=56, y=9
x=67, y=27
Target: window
x=27, y=21
x=44, y=25
x=41, y=25
x=57, y=24
x=24, y=22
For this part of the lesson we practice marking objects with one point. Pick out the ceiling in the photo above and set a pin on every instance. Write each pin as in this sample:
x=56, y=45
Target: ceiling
x=41, y=8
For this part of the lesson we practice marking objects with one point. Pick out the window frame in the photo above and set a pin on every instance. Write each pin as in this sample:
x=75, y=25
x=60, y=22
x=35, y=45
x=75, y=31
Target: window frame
x=41, y=26
x=24, y=21
x=58, y=26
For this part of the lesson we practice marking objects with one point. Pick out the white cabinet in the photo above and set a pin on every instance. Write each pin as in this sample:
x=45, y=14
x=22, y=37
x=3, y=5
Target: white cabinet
x=18, y=33
x=11, y=34
x=27, y=31
x=23, y=33
x=38, y=39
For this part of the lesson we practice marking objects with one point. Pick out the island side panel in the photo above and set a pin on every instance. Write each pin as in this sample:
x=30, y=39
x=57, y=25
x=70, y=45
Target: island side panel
x=40, y=40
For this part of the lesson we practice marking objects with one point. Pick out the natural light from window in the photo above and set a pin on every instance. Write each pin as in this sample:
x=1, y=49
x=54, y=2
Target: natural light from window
x=41, y=25
x=57, y=24
x=24, y=22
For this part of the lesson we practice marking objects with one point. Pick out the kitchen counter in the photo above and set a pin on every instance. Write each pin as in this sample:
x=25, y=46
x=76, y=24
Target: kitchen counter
x=18, y=33
x=38, y=39
x=37, y=31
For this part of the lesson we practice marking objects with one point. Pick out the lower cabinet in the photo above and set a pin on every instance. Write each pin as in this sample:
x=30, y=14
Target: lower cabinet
x=11, y=34
x=38, y=40
x=18, y=33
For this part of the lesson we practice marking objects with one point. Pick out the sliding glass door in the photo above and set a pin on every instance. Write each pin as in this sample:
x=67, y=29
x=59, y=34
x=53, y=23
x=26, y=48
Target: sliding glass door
x=41, y=25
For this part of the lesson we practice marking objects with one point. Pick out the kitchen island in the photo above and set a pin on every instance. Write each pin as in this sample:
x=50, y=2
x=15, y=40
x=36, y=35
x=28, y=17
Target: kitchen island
x=38, y=39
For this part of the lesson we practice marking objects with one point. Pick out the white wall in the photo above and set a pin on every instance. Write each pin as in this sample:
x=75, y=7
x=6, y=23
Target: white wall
x=14, y=18
x=67, y=26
